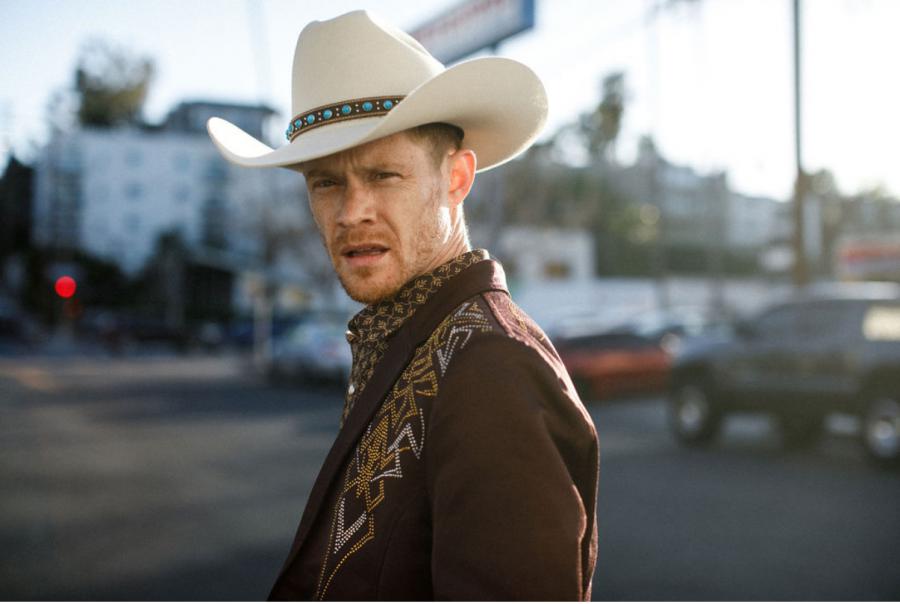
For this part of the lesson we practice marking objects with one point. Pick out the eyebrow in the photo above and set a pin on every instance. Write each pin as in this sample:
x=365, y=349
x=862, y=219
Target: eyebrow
x=380, y=165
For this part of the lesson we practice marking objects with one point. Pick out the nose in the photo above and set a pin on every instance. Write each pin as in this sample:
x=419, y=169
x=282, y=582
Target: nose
x=357, y=205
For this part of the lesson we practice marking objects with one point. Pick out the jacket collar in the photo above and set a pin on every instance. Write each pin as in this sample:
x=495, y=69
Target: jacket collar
x=382, y=320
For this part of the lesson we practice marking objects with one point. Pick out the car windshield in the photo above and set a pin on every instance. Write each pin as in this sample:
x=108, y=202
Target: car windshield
x=686, y=321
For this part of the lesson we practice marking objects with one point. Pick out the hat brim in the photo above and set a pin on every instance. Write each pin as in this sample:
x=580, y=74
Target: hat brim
x=500, y=104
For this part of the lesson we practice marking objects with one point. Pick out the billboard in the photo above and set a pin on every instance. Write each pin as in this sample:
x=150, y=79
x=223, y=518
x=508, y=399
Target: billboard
x=869, y=258
x=473, y=25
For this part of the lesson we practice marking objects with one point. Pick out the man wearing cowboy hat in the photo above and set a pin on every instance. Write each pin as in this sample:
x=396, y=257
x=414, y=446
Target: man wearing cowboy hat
x=466, y=466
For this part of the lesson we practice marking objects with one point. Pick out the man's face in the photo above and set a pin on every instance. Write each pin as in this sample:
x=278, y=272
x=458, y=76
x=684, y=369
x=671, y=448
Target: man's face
x=383, y=214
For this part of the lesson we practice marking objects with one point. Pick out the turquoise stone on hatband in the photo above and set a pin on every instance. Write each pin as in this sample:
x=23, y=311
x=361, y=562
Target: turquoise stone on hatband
x=340, y=111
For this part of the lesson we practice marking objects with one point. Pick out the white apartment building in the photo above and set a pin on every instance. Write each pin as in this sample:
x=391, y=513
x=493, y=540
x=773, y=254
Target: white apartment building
x=753, y=222
x=695, y=206
x=113, y=192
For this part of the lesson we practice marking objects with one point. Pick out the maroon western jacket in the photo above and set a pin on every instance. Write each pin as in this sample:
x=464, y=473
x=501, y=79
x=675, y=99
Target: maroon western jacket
x=466, y=469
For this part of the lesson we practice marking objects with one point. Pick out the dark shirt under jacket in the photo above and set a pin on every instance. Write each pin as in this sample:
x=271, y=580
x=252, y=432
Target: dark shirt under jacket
x=466, y=466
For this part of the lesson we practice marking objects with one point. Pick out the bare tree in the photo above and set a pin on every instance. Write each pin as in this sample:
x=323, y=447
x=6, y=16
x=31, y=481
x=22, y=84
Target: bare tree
x=111, y=84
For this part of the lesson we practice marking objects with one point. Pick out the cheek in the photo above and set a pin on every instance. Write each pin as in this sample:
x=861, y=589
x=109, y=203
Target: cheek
x=431, y=230
x=323, y=218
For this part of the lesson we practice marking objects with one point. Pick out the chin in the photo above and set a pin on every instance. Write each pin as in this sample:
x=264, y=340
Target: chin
x=368, y=290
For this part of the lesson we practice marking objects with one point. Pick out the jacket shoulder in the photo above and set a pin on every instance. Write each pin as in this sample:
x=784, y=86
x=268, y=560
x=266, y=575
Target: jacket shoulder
x=515, y=324
x=492, y=325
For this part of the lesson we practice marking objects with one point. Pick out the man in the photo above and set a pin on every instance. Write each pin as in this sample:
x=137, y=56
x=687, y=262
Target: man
x=466, y=466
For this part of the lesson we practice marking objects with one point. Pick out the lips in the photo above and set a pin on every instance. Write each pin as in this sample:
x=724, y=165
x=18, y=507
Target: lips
x=363, y=256
x=367, y=249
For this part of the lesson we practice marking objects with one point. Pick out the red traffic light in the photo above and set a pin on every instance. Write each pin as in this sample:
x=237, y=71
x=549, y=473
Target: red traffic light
x=65, y=287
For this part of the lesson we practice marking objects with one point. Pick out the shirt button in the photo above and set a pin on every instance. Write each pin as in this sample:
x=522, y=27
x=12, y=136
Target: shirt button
x=351, y=389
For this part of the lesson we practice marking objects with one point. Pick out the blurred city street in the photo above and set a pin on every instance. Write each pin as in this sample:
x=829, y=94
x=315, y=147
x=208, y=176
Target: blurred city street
x=167, y=477
x=686, y=210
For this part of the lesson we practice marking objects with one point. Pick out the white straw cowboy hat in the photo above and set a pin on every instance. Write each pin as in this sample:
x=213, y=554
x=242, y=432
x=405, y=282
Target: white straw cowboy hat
x=356, y=79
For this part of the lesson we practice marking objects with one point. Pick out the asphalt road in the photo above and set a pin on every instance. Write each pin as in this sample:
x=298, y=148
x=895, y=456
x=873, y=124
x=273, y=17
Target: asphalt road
x=184, y=479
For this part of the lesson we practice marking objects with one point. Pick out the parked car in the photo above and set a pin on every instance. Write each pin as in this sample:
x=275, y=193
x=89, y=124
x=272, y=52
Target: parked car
x=315, y=349
x=672, y=328
x=830, y=349
x=240, y=332
x=630, y=357
x=614, y=364
x=17, y=331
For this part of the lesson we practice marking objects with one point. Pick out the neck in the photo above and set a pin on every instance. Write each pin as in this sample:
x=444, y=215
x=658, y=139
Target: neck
x=457, y=244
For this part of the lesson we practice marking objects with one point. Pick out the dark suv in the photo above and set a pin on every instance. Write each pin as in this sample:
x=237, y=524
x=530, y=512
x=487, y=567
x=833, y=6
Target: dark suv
x=830, y=349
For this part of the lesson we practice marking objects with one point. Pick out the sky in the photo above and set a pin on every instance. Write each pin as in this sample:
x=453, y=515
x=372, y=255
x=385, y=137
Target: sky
x=710, y=80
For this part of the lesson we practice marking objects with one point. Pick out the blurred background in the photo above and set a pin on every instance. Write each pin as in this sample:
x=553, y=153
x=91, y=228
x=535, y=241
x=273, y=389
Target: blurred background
x=698, y=228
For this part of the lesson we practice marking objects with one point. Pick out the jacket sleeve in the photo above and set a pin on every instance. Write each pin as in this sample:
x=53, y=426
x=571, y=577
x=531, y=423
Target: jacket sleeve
x=506, y=451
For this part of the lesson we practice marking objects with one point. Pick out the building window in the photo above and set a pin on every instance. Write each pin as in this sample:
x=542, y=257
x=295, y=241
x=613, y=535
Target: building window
x=100, y=193
x=214, y=223
x=97, y=228
x=181, y=161
x=69, y=159
x=557, y=270
x=115, y=246
x=133, y=223
x=182, y=194
x=216, y=172
x=133, y=191
x=133, y=157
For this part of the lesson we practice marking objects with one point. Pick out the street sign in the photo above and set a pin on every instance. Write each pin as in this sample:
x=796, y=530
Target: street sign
x=472, y=25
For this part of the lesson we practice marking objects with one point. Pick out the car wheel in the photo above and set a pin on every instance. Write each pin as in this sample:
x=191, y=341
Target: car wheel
x=800, y=431
x=693, y=416
x=881, y=429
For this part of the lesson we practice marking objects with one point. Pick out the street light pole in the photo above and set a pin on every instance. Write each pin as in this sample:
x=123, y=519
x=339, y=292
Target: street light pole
x=801, y=268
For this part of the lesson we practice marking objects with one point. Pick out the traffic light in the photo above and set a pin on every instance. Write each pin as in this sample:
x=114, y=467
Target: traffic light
x=65, y=287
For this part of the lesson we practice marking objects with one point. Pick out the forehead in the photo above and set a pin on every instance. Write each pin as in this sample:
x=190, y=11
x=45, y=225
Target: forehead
x=396, y=148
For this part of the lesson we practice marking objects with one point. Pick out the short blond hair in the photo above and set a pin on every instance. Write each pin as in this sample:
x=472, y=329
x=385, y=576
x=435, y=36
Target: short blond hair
x=440, y=137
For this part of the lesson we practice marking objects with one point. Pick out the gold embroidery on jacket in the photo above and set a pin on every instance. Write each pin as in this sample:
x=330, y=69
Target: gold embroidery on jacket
x=373, y=325
x=394, y=439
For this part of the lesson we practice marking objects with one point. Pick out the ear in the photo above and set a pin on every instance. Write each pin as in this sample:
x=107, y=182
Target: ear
x=462, y=165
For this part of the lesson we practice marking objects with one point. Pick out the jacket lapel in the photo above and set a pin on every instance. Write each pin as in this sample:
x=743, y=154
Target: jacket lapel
x=481, y=277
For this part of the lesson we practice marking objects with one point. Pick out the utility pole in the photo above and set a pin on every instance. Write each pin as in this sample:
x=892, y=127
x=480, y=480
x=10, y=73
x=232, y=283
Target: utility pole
x=801, y=268
x=659, y=266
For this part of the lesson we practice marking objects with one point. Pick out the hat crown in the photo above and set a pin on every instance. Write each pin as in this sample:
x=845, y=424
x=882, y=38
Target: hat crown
x=356, y=56
x=356, y=79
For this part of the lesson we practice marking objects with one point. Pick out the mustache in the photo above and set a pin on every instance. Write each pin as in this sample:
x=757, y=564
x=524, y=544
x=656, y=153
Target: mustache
x=360, y=236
